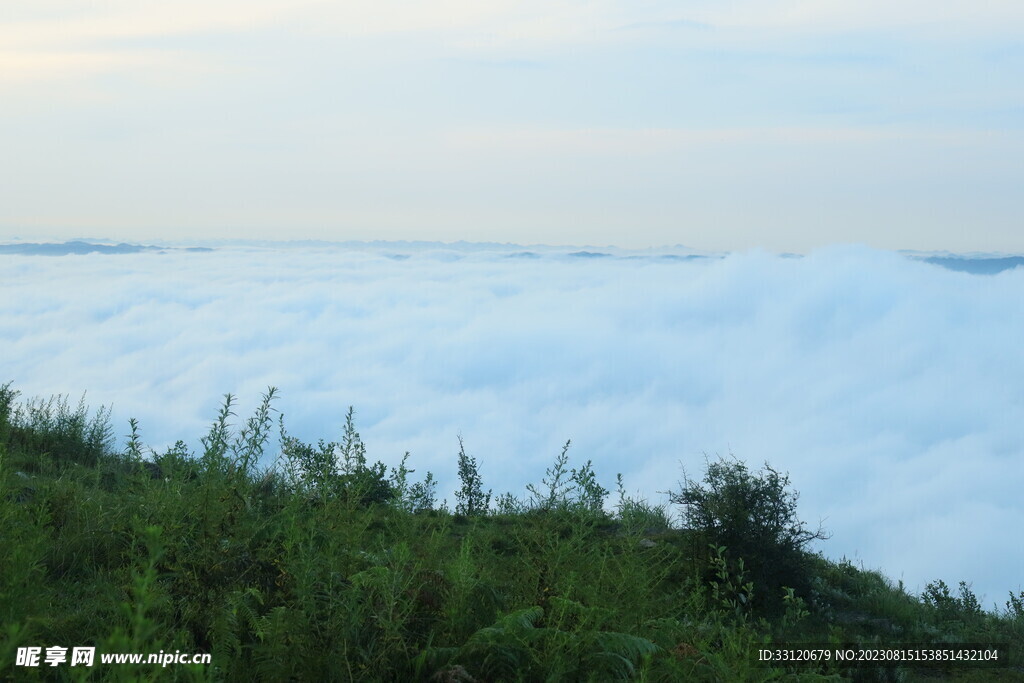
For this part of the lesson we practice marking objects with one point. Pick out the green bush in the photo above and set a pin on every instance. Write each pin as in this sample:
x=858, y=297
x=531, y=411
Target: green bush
x=339, y=471
x=470, y=499
x=753, y=516
x=639, y=516
x=7, y=396
x=568, y=490
x=53, y=430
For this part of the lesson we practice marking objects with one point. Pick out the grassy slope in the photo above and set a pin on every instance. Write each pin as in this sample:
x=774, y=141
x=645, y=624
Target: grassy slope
x=329, y=568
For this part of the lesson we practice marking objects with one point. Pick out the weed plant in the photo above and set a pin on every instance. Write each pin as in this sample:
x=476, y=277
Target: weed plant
x=325, y=566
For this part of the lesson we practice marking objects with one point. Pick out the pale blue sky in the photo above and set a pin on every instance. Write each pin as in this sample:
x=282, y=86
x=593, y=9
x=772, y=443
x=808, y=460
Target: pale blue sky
x=719, y=125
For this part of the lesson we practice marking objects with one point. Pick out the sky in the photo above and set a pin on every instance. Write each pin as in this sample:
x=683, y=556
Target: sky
x=785, y=125
x=891, y=390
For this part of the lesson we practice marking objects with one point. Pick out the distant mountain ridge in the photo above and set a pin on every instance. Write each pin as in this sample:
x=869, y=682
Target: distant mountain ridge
x=977, y=266
x=81, y=247
x=973, y=264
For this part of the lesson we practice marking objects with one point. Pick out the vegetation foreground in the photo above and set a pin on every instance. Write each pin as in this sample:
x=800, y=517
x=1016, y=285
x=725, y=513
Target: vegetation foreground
x=325, y=566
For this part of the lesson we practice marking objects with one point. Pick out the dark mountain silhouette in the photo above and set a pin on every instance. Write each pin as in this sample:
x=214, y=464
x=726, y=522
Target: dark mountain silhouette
x=977, y=266
x=80, y=247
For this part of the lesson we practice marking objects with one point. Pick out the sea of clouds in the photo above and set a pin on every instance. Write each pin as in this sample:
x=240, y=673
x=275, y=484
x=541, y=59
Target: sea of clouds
x=891, y=390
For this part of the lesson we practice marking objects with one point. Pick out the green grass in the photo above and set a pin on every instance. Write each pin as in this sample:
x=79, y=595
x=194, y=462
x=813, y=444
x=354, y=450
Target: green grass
x=326, y=566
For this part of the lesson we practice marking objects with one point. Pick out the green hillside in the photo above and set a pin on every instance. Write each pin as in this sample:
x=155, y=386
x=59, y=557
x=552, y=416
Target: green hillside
x=327, y=566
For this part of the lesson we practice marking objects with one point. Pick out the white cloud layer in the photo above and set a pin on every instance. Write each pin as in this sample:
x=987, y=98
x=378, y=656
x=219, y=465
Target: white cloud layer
x=890, y=389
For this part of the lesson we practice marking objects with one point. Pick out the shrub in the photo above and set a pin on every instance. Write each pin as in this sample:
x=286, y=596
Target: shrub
x=338, y=470
x=7, y=396
x=55, y=429
x=1015, y=607
x=575, y=490
x=637, y=515
x=753, y=515
x=416, y=497
x=589, y=495
x=951, y=611
x=470, y=498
